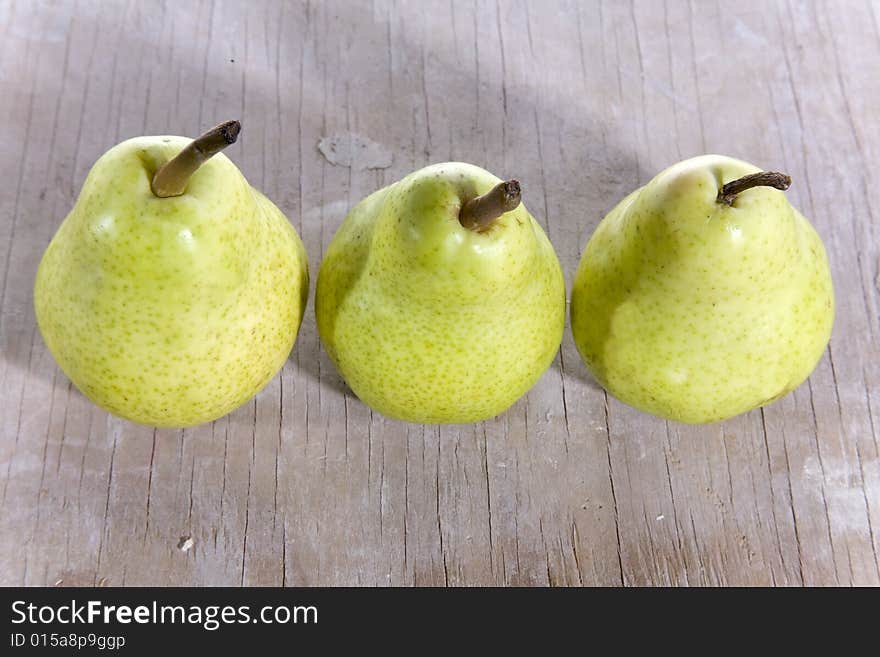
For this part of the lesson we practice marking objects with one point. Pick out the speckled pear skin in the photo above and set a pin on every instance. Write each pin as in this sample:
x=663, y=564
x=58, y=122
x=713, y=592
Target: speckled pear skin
x=696, y=311
x=428, y=321
x=170, y=312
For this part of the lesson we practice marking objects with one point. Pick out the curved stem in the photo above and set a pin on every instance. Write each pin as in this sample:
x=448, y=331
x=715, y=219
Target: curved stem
x=171, y=179
x=728, y=192
x=481, y=212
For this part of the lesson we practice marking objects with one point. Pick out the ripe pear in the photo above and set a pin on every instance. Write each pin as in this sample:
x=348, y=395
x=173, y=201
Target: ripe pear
x=173, y=291
x=703, y=294
x=440, y=299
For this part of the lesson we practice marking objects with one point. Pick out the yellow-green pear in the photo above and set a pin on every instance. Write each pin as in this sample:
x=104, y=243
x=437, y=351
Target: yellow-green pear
x=173, y=291
x=703, y=294
x=440, y=299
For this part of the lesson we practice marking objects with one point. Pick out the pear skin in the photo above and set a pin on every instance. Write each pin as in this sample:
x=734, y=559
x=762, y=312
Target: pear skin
x=428, y=321
x=694, y=310
x=173, y=311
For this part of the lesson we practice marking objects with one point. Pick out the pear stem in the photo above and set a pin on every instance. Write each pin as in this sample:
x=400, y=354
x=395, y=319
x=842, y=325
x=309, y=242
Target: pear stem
x=728, y=192
x=172, y=177
x=481, y=212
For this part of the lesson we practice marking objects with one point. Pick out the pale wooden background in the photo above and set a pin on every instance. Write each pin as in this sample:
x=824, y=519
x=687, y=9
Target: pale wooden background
x=581, y=102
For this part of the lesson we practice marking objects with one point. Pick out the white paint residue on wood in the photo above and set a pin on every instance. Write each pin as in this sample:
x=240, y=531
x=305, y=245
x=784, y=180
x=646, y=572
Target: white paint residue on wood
x=352, y=150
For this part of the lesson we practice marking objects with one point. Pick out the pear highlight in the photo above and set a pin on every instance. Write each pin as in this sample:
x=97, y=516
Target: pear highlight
x=440, y=299
x=173, y=290
x=703, y=294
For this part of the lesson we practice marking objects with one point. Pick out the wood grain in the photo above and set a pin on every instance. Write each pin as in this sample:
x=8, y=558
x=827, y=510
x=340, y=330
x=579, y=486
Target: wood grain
x=580, y=101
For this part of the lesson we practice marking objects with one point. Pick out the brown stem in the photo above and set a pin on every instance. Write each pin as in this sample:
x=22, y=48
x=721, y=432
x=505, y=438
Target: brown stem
x=171, y=179
x=775, y=179
x=481, y=212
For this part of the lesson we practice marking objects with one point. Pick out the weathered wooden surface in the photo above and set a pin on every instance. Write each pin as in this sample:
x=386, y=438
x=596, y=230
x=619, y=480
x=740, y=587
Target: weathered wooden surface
x=581, y=102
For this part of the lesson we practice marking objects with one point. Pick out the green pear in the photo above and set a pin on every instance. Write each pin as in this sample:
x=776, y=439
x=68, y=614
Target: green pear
x=703, y=294
x=173, y=291
x=440, y=299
